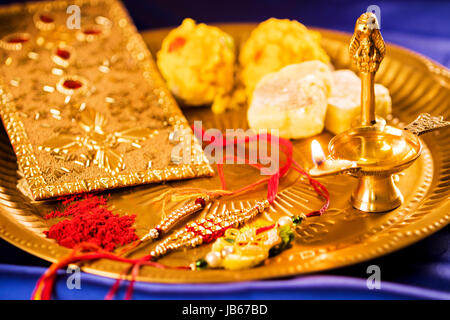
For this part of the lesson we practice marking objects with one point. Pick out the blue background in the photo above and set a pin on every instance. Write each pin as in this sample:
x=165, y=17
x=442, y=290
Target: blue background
x=419, y=271
x=420, y=25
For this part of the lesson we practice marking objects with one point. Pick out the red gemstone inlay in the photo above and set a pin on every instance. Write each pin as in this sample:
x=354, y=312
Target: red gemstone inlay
x=46, y=18
x=92, y=31
x=72, y=84
x=18, y=39
x=64, y=54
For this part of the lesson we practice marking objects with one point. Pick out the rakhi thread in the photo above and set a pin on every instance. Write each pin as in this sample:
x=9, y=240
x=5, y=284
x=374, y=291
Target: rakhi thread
x=199, y=203
x=81, y=253
x=207, y=229
x=168, y=222
x=194, y=234
x=197, y=230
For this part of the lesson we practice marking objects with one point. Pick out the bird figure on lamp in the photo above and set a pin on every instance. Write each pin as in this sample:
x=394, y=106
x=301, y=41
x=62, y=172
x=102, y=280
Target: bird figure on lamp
x=367, y=47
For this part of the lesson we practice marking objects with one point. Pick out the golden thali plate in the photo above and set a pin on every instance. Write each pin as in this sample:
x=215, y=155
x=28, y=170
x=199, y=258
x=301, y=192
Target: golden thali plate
x=342, y=236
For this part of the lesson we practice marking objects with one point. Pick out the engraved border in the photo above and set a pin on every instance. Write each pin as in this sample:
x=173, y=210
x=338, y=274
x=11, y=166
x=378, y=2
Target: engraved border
x=24, y=150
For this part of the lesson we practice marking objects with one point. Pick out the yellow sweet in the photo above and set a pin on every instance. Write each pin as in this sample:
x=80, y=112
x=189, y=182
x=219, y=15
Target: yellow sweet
x=292, y=100
x=344, y=104
x=274, y=44
x=233, y=100
x=197, y=61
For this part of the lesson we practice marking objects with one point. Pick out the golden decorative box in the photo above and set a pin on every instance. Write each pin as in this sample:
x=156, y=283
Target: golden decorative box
x=85, y=108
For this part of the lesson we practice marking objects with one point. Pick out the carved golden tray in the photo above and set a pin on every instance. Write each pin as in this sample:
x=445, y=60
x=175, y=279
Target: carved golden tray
x=341, y=237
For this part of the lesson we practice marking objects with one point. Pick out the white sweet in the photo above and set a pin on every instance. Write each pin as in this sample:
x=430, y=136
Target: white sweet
x=292, y=100
x=344, y=104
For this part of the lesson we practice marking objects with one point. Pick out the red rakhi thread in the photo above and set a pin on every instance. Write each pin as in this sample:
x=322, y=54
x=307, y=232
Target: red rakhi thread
x=273, y=181
x=81, y=253
x=266, y=228
x=45, y=284
x=198, y=204
x=318, y=187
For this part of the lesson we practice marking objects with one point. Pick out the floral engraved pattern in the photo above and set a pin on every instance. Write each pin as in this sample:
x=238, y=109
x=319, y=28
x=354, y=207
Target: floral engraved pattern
x=97, y=146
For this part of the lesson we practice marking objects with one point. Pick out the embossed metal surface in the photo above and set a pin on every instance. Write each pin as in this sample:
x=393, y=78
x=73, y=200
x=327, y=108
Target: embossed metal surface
x=342, y=236
x=426, y=123
x=47, y=146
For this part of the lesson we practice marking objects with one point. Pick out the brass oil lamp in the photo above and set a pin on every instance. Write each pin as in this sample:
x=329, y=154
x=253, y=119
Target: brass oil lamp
x=372, y=151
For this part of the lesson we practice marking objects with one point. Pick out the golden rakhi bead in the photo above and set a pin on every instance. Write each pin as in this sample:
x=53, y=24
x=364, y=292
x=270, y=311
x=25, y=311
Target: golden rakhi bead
x=154, y=234
x=195, y=242
x=208, y=224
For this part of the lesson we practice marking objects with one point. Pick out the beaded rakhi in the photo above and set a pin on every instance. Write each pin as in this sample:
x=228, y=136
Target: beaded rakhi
x=201, y=231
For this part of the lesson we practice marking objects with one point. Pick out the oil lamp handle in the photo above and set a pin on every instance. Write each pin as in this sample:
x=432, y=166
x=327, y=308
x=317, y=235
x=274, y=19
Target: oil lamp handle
x=367, y=50
x=426, y=123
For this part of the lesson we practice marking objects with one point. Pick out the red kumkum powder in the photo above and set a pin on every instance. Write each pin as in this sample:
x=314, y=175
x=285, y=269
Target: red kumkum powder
x=92, y=222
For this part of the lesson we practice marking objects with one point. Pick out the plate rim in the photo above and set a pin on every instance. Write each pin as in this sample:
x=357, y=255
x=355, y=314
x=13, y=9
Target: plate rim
x=412, y=234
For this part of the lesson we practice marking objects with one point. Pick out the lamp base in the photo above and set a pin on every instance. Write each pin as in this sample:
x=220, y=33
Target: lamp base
x=376, y=194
